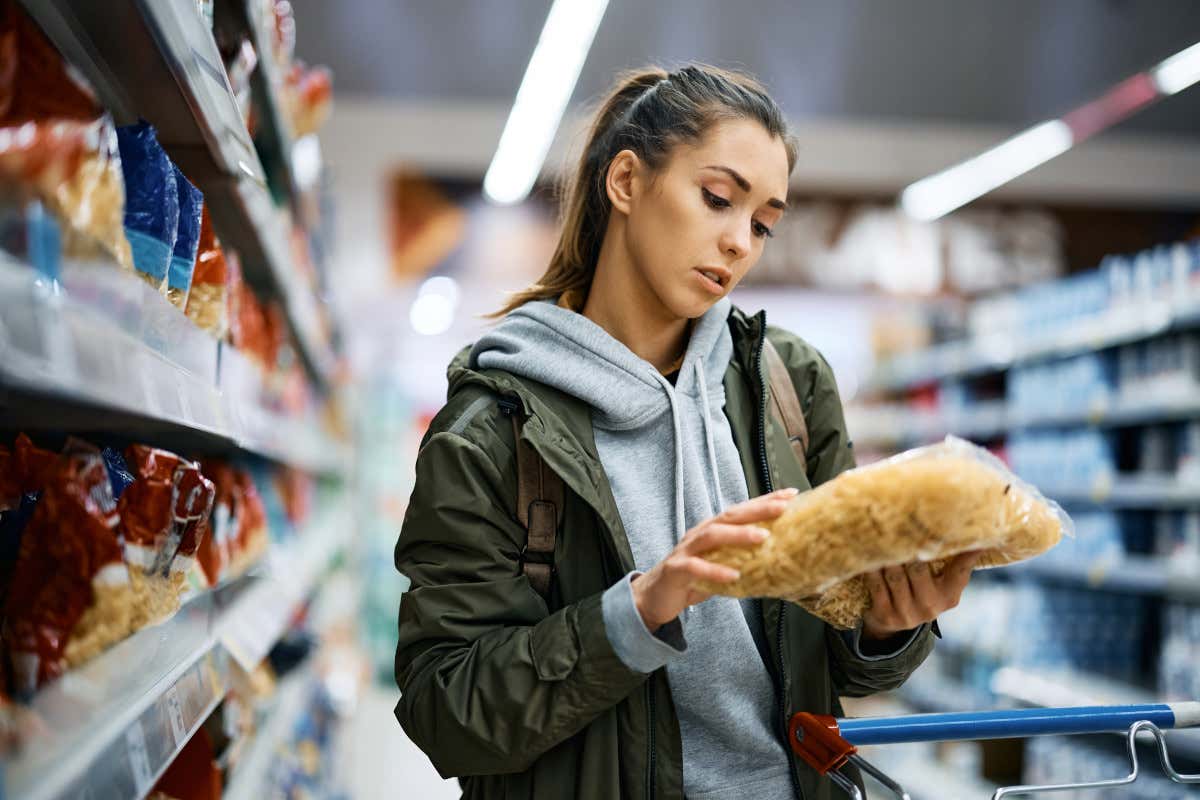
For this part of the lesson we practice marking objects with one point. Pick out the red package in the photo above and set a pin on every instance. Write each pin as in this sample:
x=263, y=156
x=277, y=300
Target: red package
x=69, y=549
x=252, y=522
x=296, y=489
x=193, y=775
x=214, y=554
x=208, y=303
x=35, y=83
x=10, y=480
x=164, y=513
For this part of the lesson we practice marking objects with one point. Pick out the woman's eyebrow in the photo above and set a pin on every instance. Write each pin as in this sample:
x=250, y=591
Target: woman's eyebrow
x=744, y=184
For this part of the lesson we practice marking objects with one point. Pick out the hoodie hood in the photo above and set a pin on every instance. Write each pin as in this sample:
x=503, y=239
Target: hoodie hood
x=645, y=427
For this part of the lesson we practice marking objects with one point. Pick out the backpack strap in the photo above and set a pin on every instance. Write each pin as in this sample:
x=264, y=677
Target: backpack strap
x=785, y=403
x=539, y=503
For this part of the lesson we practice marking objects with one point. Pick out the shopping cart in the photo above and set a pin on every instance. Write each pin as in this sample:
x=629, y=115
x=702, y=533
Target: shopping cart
x=828, y=744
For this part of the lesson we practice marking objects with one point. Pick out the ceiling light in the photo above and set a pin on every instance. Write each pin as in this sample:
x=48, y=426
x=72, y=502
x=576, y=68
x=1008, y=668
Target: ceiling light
x=1179, y=71
x=938, y=195
x=545, y=90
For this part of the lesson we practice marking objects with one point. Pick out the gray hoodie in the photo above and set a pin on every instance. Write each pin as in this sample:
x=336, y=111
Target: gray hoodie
x=669, y=454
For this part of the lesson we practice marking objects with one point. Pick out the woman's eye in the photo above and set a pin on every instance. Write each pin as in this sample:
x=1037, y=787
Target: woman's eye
x=762, y=231
x=716, y=201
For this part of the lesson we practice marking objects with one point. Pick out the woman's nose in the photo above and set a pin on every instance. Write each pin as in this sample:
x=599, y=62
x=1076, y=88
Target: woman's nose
x=735, y=241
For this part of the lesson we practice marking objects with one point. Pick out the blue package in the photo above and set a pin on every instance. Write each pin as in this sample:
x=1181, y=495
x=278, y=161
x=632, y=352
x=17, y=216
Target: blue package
x=151, y=201
x=119, y=476
x=187, y=241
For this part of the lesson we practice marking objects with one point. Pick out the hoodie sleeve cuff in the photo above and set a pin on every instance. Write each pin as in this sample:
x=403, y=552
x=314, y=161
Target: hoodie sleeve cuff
x=634, y=644
x=854, y=642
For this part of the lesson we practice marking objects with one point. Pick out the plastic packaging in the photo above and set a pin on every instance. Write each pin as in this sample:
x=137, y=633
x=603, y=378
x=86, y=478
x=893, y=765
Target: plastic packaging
x=208, y=302
x=151, y=202
x=187, y=241
x=69, y=596
x=35, y=83
x=164, y=517
x=927, y=504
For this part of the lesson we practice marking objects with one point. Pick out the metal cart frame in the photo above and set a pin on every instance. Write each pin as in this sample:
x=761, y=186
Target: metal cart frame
x=828, y=744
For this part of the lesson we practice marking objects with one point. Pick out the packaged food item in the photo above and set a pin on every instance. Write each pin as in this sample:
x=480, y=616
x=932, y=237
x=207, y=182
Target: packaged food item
x=164, y=518
x=252, y=530
x=311, y=97
x=250, y=333
x=215, y=549
x=207, y=304
x=35, y=82
x=187, y=241
x=193, y=774
x=69, y=596
x=151, y=201
x=928, y=504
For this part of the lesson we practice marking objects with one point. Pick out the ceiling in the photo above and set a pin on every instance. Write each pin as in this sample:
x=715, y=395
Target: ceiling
x=969, y=61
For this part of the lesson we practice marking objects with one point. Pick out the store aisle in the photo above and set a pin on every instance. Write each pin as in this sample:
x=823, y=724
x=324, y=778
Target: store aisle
x=378, y=761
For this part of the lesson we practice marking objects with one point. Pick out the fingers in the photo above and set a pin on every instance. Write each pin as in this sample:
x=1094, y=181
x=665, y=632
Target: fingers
x=900, y=592
x=956, y=575
x=768, y=506
x=694, y=568
x=881, y=599
x=926, y=593
x=719, y=534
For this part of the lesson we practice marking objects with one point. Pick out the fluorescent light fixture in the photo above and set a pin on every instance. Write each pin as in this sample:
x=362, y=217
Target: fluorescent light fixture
x=432, y=313
x=1179, y=71
x=938, y=195
x=545, y=90
x=306, y=160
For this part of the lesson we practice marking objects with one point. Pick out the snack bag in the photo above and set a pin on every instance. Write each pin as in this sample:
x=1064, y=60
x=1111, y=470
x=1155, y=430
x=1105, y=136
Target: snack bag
x=187, y=241
x=164, y=517
x=252, y=531
x=68, y=599
x=215, y=550
x=927, y=504
x=151, y=202
x=207, y=304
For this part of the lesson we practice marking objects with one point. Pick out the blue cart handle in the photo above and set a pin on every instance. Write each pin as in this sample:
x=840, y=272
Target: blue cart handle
x=1015, y=723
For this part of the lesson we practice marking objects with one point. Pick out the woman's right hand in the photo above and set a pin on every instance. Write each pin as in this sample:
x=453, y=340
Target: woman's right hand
x=666, y=590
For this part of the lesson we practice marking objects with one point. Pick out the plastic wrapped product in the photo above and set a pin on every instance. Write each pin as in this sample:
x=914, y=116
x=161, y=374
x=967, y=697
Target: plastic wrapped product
x=252, y=532
x=214, y=552
x=151, y=201
x=187, y=241
x=35, y=82
x=164, y=517
x=207, y=304
x=69, y=595
x=927, y=504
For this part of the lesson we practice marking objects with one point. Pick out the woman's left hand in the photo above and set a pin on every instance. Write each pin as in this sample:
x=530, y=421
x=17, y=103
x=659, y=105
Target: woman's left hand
x=904, y=597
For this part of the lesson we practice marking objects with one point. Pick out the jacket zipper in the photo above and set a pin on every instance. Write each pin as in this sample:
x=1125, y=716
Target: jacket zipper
x=768, y=487
x=650, y=765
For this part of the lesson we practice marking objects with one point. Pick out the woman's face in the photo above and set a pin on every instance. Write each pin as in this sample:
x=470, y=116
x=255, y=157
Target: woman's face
x=696, y=226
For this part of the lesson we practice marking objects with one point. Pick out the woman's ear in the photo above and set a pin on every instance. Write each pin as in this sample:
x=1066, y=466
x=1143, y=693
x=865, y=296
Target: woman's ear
x=619, y=182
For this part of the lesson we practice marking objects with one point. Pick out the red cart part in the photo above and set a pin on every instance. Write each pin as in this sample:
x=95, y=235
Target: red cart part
x=816, y=739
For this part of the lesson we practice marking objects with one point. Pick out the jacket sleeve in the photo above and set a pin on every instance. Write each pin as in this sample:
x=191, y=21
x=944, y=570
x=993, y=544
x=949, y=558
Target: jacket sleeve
x=830, y=453
x=488, y=679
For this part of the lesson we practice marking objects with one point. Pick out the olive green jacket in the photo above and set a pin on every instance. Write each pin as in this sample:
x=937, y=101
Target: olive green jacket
x=523, y=698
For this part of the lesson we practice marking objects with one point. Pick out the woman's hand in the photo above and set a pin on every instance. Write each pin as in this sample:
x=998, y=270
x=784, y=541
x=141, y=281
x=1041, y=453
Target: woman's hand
x=666, y=590
x=904, y=597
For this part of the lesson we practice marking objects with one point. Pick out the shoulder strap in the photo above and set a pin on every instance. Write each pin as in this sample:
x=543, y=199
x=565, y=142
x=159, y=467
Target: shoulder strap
x=539, y=503
x=785, y=402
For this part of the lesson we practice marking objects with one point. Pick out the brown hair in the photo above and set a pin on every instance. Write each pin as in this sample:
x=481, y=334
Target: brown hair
x=649, y=111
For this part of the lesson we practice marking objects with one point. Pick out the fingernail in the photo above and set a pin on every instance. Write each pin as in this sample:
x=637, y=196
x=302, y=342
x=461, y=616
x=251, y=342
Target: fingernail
x=734, y=574
x=790, y=491
x=761, y=533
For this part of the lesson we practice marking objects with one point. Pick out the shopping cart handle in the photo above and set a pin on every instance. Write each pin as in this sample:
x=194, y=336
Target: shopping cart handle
x=814, y=737
x=1015, y=723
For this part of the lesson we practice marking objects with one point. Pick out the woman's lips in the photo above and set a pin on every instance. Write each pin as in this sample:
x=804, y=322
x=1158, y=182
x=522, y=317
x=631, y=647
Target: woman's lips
x=713, y=286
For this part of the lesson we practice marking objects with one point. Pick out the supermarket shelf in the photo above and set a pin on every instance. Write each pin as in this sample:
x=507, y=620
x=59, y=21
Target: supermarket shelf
x=253, y=768
x=159, y=61
x=1129, y=491
x=1075, y=688
x=890, y=425
x=1132, y=573
x=110, y=354
x=999, y=352
x=241, y=19
x=111, y=727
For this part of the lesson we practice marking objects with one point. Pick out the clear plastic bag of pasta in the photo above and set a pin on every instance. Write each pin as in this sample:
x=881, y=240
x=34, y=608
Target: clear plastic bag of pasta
x=927, y=504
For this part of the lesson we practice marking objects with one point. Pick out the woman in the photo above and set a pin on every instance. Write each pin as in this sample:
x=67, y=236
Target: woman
x=636, y=382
